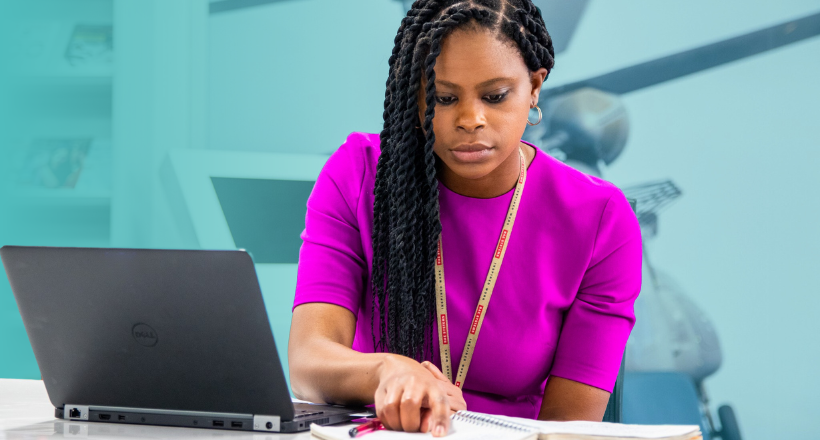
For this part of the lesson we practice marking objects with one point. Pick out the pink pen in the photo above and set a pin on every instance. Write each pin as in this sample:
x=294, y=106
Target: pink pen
x=371, y=426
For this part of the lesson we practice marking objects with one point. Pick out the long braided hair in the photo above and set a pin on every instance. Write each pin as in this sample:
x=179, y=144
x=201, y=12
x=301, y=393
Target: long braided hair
x=406, y=223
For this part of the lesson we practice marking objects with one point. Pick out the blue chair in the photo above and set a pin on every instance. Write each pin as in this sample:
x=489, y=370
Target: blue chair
x=614, y=407
x=662, y=398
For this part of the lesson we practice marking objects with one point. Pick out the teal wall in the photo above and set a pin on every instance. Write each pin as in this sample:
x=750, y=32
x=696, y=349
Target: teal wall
x=323, y=65
x=297, y=76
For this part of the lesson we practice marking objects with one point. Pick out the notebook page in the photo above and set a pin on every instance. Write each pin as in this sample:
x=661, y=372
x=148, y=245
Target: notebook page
x=458, y=431
x=603, y=429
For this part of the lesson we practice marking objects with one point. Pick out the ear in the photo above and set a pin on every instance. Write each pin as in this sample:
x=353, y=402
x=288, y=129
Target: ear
x=537, y=79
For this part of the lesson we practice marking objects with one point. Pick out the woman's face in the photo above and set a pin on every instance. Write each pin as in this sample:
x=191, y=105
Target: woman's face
x=484, y=92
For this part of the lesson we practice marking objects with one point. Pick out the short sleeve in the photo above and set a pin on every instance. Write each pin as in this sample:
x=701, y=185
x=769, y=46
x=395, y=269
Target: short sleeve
x=598, y=322
x=332, y=266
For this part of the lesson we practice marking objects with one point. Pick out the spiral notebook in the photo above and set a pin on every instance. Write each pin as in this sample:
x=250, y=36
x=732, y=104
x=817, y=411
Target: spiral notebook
x=479, y=426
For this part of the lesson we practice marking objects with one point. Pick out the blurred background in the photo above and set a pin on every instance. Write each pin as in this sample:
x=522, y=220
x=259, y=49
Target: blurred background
x=175, y=124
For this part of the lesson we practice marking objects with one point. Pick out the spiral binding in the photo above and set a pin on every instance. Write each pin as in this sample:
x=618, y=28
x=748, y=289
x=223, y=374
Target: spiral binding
x=486, y=419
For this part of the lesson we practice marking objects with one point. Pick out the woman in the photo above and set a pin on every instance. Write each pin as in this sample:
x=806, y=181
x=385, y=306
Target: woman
x=375, y=309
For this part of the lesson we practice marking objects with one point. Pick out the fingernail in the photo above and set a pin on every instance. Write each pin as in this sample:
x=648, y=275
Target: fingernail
x=439, y=431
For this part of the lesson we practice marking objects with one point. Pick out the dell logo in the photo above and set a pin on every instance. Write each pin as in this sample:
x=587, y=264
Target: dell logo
x=144, y=335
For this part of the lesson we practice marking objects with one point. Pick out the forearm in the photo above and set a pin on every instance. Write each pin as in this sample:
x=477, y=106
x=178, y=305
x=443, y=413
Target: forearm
x=323, y=366
x=328, y=372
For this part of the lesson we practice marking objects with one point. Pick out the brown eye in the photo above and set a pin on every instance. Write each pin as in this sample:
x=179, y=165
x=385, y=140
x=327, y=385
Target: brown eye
x=495, y=99
x=445, y=100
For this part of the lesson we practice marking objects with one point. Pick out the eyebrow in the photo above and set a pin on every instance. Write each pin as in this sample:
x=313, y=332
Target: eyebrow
x=485, y=83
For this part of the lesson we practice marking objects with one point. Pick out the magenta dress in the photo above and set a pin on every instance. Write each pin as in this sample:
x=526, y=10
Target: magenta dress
x=563, y=301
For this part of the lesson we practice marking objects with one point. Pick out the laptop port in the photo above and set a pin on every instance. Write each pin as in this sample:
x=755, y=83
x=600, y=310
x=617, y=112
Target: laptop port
x=74, y=413
x=120, y=417
x=219, y=423
x=104, y=416
x=236, y=424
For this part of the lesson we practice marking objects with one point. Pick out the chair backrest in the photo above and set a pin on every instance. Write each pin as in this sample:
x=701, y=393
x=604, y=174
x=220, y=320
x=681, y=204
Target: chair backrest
x=662, y=398
x=613, y=413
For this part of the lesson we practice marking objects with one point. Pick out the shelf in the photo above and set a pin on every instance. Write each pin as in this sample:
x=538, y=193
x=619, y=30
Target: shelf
x=26, y=183
x=57, y=197
x=63, y=79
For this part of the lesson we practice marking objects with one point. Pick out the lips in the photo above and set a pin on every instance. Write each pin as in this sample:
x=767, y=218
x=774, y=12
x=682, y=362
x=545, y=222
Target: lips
x=471, y=147
x=471, y=153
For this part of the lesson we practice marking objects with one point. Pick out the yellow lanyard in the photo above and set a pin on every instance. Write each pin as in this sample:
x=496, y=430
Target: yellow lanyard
x=486, y=293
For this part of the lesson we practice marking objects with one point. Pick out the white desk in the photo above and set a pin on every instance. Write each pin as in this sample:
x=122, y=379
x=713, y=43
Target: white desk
x=26, y=413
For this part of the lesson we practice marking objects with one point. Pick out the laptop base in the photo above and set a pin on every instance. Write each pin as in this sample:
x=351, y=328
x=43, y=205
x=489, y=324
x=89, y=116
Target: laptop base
x=319, y=414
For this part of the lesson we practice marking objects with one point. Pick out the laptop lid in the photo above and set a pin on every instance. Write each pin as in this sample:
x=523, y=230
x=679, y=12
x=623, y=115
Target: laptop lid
x=149, y=328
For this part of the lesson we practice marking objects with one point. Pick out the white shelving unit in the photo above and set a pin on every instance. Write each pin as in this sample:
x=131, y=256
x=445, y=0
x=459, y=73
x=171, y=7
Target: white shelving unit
x=48, y=98
x=149, y=100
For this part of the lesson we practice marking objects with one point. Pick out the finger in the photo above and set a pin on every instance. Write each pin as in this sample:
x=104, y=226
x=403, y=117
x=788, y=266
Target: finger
x=392, y=408
x=411, y=408
x=436, y=372
x=439, y=406
x=426, y=420
x=456, y=396
x=378, y=401
x=457, y=402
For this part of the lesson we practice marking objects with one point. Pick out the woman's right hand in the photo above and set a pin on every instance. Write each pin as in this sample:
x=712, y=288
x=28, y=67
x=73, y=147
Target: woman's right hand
x=412, y=397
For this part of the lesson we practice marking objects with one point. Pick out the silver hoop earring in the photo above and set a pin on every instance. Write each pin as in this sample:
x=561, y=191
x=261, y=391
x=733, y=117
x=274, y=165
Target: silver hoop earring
x=539, y=117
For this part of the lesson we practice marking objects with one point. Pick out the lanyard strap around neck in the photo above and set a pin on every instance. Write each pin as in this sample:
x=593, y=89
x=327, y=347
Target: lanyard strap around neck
x=486, y=292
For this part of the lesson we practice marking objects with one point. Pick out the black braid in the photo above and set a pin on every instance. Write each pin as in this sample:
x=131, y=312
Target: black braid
x=406, y=223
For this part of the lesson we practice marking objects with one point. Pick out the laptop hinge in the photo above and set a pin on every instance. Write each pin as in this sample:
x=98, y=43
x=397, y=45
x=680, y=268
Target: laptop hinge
x=266, y=423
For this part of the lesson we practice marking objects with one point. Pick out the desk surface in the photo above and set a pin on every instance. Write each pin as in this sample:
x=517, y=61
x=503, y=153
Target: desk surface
x=26, y=413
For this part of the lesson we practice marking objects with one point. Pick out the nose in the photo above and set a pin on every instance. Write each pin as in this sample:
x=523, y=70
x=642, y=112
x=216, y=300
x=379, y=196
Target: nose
x=471, y=116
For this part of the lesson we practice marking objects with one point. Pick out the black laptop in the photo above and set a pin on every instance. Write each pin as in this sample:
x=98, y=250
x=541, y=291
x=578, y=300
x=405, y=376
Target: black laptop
x=157, y=337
